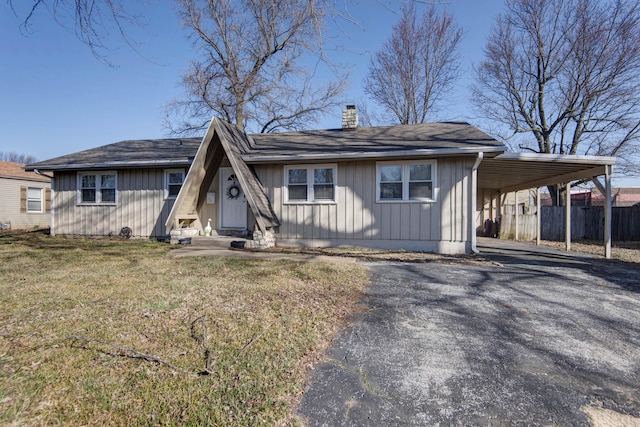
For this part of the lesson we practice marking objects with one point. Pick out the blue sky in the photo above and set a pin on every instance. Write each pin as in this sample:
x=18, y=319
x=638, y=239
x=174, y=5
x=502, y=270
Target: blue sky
x=57, y=98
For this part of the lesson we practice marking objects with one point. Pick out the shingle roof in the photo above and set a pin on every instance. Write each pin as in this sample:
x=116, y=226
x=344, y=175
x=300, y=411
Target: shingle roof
x=16, y=171
x=372, y=141
x=133, y=153
x=382, y=141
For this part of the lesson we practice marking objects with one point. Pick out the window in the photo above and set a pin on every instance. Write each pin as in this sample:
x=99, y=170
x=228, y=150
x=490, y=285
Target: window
x=310, y=184
x=406, y=181
x=173, y=180
x=34, y=200
x=94, y=188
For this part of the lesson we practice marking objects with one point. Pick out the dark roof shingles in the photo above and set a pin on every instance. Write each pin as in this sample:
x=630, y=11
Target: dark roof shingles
x=365, y=140
x=445, y=135
x=132, y=152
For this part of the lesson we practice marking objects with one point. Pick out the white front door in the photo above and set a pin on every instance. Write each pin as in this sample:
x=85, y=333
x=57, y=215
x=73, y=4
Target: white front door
x=233, y=203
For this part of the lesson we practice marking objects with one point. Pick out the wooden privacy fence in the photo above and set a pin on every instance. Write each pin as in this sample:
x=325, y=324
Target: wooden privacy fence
x=587, y=223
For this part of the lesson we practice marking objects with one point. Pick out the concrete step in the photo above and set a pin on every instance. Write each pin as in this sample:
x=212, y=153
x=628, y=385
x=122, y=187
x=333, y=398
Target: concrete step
x=217, y=241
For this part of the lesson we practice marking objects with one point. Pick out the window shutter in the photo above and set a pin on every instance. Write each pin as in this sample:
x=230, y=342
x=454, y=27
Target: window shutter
x=47, y=200
x=23, y=199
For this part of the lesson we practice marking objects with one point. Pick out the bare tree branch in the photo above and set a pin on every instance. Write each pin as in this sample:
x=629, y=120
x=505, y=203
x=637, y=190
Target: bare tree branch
x=79, y=341
x=567, y=73
x=92, y=20
x=416, y=66
x=248, y=72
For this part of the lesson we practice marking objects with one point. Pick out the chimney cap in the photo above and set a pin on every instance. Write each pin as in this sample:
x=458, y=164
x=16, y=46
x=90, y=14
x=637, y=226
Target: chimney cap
x=351, y=107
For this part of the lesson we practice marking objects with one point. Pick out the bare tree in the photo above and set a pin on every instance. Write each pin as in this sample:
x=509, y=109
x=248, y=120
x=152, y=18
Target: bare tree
x=17, y=158
x=416, y=66
x=567, y=74
x=249, y=72
x=92, y=20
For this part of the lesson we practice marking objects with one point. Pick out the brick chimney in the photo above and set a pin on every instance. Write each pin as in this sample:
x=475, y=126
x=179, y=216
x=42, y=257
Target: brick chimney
x=350, y=118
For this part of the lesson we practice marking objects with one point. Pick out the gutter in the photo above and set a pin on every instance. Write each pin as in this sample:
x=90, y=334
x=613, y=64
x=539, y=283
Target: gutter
x=424, y=152
x=550, y=158
x=472, y=208
x=111, y=165
x=37, y=172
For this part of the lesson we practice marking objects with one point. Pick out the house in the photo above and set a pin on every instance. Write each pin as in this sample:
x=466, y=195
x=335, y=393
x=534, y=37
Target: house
x=412, y=187
x=620, y=197
x=26, y=197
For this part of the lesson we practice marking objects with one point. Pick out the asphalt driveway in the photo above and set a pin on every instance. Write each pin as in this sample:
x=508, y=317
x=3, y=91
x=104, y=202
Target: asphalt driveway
x=521, y=338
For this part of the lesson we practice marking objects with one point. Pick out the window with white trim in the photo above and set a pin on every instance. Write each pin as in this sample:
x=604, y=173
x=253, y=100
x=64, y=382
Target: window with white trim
x=310, y=183
x=35, y=200
x=173, y=180
x=97, y=188
x=406, y=181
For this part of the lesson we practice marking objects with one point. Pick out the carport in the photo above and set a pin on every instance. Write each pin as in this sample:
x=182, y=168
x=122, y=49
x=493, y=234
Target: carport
x=511, y=172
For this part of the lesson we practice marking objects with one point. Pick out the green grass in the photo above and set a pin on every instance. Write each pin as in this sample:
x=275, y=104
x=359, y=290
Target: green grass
x=122, y=333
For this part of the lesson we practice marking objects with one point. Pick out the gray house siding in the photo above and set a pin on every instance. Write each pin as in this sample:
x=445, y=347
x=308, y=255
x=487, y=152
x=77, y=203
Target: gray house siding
x=12, y=211
x=140, y=205
x=356, y=218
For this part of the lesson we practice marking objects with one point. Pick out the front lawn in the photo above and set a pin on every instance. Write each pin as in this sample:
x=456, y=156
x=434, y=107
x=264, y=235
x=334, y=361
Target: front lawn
x=121, y=333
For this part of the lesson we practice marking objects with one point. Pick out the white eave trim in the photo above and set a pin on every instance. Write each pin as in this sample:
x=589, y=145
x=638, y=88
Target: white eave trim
x=565, y=158
x=426, y=152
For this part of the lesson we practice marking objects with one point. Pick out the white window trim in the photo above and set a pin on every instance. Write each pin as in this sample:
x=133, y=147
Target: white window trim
x=405, y=181
x=98, y=188
x=42, y=201
x=310, y=195
x=166, y=181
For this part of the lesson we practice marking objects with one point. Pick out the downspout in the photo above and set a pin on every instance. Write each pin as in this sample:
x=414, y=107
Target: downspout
x=52, y=230
x=472, y=208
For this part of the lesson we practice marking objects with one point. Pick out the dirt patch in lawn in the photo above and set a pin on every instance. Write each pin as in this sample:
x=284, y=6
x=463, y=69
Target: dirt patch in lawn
x=371, y=255
x=601, y=417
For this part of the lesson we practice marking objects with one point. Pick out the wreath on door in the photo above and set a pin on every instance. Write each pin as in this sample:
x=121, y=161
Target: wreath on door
x=233, y=192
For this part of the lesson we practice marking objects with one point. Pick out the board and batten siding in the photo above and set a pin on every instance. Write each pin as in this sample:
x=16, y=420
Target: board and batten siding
x=357, y=219
x=140, y=205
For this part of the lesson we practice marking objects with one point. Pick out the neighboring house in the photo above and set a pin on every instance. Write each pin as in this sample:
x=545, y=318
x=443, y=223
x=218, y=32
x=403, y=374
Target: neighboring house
x=412, y=187
x=620, y=197
x=26, y=197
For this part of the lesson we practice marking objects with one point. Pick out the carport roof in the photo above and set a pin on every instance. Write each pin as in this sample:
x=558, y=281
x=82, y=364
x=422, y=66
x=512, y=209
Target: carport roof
x=520, y=171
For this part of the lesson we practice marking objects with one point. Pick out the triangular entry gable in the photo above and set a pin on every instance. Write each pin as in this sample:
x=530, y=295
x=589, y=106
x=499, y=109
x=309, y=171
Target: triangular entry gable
x=221, y=138
x=235, y=142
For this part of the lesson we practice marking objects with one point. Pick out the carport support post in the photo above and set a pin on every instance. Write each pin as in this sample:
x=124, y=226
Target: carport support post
x=567, y=215
x=515, y=198
x=474, y=201
x=501, y=201
x=538, y=219
x=606, y=192
x=607, y=210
